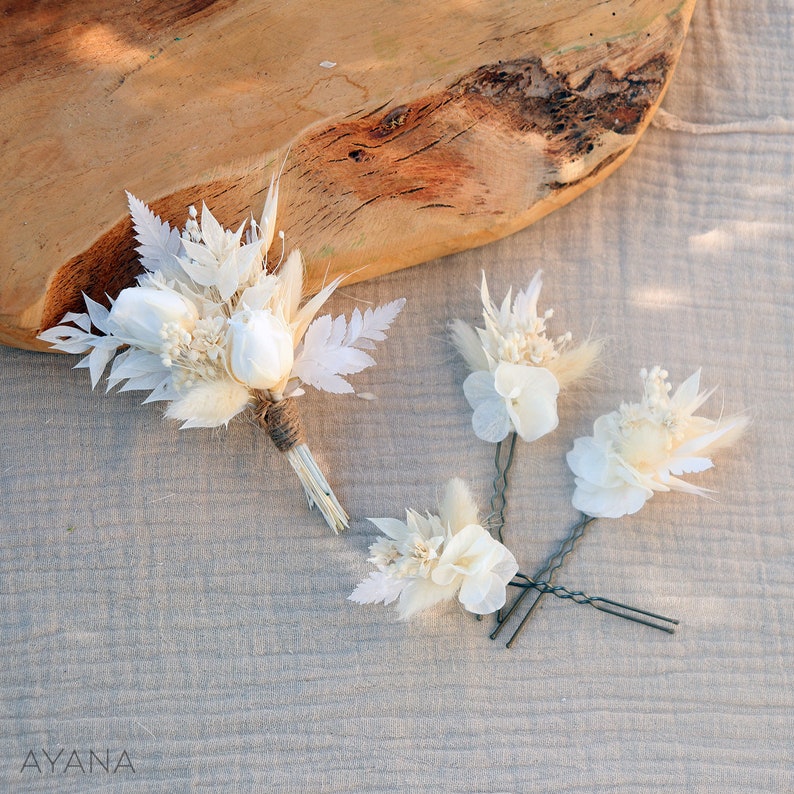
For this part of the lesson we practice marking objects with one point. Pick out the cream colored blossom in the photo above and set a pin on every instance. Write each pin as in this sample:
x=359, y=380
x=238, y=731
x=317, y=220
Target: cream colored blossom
x=646, y=446
x=260, y=349
x=428, y=559
x=145, y=316
x=513, y=397
x=517, y=371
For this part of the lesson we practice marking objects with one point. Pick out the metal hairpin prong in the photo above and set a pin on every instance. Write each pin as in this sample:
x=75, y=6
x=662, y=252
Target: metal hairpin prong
x=496, y=518
x=552, y=564
x=624, y=611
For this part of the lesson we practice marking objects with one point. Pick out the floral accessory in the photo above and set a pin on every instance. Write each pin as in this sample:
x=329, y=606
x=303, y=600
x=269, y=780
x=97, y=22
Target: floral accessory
x=212, y=330
x=428, y=559
x=636, y=451
x=516, y=370
x=645, y=447
x=433, y=558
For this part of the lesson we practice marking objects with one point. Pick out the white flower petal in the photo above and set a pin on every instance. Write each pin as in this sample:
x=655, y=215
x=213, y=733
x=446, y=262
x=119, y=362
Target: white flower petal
x=590, y=460
x=484, y=595
x=479, y=387
x=491, y=421
x=609, y=502
x=530, y=395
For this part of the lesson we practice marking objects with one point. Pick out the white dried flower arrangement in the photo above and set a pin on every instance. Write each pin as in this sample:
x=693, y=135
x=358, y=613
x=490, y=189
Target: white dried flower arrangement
x=517, y=372
x=438, y=557
x=647, y=446
x=212, y=327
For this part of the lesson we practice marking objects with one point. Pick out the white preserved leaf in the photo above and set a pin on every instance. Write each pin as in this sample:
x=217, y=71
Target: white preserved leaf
x=378, y=588
x=105, y=348
x=374, y=324
x=81, y=320
x=69, y=339
x=268, y=222
x=333, y=348
x=98, y=314
x=158, y=242
x=164, y=391
x=132, y=364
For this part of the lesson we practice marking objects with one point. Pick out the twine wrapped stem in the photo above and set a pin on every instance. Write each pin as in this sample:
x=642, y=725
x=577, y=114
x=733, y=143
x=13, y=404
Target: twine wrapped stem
x=281, y=420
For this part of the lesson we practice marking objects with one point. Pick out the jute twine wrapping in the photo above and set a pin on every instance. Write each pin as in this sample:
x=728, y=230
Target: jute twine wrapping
x=282, y=422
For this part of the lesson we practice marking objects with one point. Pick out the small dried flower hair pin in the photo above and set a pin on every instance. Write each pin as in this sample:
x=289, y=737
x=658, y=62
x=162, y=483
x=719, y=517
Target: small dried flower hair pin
x=426, y=560
x=212, y=329
x=517, y=373
x=641, y=449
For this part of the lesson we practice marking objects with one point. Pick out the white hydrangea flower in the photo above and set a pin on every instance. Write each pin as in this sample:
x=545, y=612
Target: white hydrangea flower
x=513, y=397
x=428, y=559
x=644, y=447
x=517, y=371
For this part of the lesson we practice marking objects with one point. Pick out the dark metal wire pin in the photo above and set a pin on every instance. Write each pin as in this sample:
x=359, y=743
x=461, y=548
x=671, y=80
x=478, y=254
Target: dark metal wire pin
x=603, y=604
x=496, y=518
x=498, y=505
x=550, y=567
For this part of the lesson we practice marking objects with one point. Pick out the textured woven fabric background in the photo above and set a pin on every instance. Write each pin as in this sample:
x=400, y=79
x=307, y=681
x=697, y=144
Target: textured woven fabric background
x=166, y=594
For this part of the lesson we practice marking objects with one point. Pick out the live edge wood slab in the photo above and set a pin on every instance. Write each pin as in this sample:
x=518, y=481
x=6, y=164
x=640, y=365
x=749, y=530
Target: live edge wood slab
x=410, y=130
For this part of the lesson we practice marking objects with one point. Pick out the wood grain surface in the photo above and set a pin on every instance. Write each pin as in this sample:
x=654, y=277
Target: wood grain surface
x=408, y=133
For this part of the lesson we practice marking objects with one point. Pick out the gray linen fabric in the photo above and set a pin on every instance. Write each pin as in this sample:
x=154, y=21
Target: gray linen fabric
x=166, y=597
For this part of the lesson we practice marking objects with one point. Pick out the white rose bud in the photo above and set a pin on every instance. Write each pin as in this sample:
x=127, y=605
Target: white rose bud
x=260, y=348
x=139, y=314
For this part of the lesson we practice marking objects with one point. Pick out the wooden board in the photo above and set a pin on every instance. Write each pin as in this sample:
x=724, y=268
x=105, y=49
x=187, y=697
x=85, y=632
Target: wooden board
x=413, y=130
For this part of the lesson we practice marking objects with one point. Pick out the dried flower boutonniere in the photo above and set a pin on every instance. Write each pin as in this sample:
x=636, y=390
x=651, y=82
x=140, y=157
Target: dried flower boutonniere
x=212, y=330
x=640, y=449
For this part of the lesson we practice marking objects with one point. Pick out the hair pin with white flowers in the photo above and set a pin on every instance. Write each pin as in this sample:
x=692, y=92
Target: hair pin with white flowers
x=517, y=373
x=426, y=560
x=636, y=451
x=212, y=328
